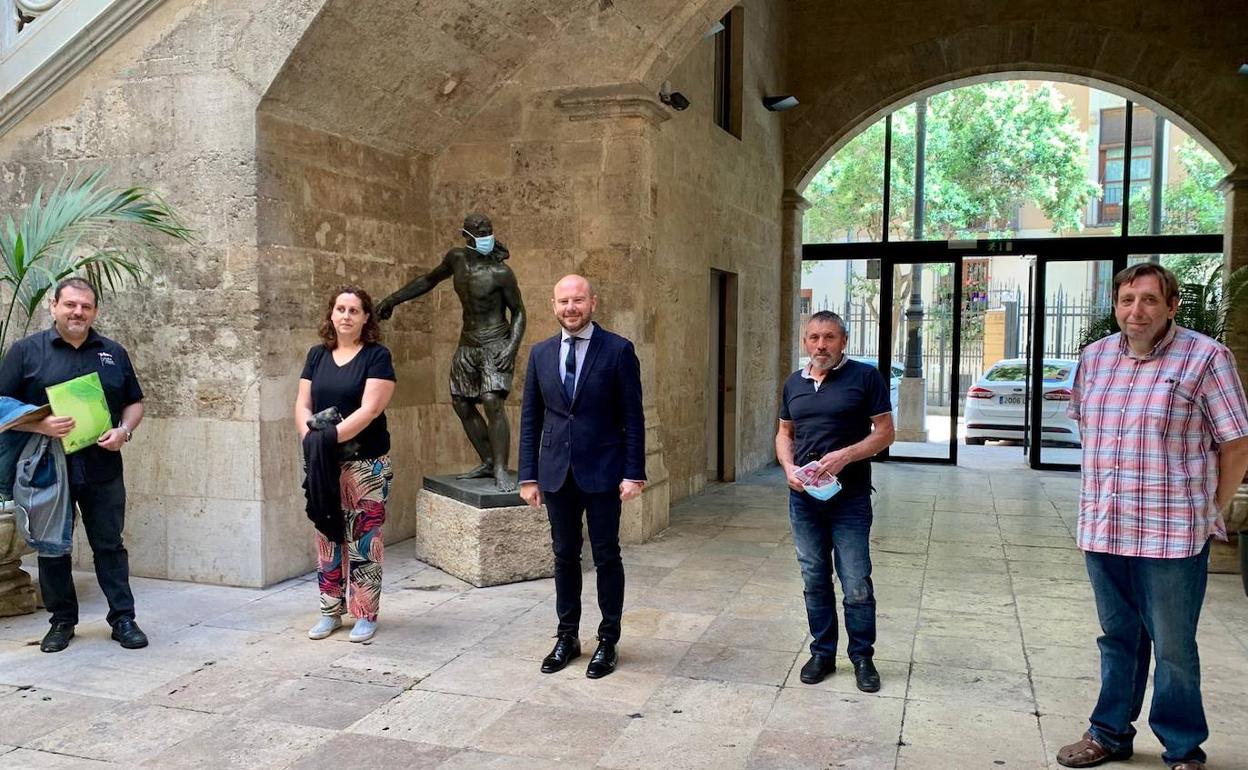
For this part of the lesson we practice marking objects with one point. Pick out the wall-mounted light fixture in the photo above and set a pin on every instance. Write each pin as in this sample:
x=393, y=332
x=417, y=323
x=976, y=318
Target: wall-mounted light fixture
x=674, y=99
x=779, y=103
x=715, y=29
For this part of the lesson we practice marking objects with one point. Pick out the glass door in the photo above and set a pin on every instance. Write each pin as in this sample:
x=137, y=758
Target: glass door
x=1073, y=307
x=922, y=335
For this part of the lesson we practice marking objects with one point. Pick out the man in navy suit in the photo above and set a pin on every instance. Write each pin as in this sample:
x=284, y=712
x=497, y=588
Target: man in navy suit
x=582, y=449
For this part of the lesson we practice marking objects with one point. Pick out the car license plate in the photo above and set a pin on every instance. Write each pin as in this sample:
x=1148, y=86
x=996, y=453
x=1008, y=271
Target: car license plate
x=1011, y=400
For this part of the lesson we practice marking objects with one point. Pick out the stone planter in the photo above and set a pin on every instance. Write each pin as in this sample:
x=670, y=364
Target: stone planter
x=17, y=593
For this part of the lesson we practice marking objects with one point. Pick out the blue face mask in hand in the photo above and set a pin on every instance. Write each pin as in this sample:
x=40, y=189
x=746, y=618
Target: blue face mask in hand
x=482, y=244
x=823, y=492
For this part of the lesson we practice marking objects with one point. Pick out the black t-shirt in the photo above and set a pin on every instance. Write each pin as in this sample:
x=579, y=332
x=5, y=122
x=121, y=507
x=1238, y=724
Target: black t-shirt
x=44, y=359
x=835, y=415
x=343, y=387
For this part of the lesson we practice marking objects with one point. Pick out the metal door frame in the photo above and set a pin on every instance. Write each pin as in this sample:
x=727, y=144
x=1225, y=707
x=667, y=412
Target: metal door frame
x=1116, y=248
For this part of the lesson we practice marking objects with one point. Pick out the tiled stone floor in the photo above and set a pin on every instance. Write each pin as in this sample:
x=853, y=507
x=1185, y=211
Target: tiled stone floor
x=986, y=647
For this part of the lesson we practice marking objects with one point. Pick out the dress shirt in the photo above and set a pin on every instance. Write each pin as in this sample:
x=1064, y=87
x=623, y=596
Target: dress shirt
x=1151, y=426
x=581, y=347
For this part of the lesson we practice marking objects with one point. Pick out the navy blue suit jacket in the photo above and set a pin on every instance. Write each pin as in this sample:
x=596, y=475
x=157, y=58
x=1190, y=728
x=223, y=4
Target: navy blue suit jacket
x=600, y=434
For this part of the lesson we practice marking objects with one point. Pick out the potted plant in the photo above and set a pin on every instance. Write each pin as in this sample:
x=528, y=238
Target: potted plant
x=1205, y=307
x=82, y=226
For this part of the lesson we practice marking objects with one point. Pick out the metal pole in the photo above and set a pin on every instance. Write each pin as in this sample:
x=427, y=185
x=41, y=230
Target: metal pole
x=888, y=177
x=914, y=312
x=1159, y=160
x=1125, y=208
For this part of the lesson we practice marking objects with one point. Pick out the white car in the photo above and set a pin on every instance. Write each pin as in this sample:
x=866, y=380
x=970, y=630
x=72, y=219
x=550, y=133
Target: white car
x=995, y=404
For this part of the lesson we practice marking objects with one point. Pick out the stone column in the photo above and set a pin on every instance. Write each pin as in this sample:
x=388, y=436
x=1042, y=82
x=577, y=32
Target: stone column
x=793, y=210
x=1235, y=249
x=617, y=232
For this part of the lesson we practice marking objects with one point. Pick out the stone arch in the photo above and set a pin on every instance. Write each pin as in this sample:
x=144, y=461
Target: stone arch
x=1191, y=92
x=850, y=132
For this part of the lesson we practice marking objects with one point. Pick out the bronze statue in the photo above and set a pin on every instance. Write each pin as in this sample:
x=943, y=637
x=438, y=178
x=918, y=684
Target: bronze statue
x=484, y=362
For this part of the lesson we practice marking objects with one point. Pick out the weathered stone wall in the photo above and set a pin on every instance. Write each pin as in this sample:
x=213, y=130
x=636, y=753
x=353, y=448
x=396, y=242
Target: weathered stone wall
x=718, y=207
x=171, y=106
x=333, y=212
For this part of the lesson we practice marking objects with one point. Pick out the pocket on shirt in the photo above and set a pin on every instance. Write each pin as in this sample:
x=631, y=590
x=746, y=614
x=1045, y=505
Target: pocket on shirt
x=1169, y=407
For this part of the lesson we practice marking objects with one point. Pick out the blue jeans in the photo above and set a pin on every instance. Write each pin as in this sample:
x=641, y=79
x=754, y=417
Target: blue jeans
x=835, y=533
x=1150, y=607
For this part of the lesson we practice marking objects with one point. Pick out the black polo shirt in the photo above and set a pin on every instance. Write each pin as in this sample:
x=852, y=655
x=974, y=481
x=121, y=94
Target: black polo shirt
x=835, y=415
x=43, y=359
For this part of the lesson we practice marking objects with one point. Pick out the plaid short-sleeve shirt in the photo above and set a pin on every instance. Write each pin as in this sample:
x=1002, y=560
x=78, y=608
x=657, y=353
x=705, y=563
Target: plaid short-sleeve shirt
x=1151, y=426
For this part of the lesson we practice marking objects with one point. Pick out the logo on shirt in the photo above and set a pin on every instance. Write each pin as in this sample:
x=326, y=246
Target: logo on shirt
x=106, y=359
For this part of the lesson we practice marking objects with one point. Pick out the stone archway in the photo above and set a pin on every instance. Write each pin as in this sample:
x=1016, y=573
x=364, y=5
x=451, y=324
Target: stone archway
x=461, y=109
x=1182, y=63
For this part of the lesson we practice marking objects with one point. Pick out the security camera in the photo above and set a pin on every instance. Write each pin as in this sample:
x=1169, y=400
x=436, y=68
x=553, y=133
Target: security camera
x=674, y=99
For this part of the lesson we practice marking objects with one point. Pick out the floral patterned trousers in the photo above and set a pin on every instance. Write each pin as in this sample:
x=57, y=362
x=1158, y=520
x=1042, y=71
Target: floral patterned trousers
x=365, y=486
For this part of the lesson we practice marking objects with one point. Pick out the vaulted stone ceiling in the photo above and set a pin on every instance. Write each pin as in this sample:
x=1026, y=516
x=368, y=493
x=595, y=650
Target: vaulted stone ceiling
x=407, y=75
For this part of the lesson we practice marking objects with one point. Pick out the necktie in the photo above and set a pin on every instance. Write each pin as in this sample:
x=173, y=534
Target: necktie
x=569, y=368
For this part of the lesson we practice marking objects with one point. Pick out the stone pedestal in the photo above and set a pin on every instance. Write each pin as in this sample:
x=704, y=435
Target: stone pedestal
x=912, y=410
x=17, y=594
x=480, y=535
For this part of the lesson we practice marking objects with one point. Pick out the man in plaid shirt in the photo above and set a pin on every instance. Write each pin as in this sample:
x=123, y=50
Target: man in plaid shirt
x=1165, y=445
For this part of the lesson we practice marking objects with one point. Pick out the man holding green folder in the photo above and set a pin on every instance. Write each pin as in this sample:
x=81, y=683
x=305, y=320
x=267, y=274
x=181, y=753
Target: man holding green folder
x=76, y=363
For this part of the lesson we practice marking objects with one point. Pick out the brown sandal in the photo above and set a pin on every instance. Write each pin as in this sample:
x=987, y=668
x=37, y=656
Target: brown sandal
x=1088, y=752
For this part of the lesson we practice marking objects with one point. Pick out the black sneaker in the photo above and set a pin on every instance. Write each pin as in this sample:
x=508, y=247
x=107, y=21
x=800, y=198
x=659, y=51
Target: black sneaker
x=58, y=637
x=818, y=668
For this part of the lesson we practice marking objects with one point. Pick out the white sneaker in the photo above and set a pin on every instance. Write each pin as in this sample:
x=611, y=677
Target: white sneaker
x=363, y=630
x=327, y=625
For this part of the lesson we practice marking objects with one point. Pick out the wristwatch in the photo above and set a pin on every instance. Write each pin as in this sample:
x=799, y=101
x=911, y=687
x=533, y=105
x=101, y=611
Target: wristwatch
x=129, y=433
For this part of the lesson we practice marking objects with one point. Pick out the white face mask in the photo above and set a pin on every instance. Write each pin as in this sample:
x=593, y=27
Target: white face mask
x=482, y=244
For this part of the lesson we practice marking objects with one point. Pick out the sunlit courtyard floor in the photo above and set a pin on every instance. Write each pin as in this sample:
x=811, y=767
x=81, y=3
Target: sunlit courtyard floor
x=986, y=647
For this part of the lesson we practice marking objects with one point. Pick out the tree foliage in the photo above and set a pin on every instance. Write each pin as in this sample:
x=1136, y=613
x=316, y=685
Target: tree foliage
x=990, y=149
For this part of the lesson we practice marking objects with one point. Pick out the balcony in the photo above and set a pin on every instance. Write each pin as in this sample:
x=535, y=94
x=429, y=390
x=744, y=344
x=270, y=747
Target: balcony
x=43, y=43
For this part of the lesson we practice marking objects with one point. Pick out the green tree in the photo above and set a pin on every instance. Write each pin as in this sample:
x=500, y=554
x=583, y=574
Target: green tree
x=990, y=149
x=1191, y=206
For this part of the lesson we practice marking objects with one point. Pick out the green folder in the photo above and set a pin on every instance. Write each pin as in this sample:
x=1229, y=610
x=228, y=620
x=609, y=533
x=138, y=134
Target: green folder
x=83, y=399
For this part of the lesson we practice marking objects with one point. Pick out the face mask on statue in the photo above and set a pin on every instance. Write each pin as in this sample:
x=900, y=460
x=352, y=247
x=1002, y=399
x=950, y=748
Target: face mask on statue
x=482, y=244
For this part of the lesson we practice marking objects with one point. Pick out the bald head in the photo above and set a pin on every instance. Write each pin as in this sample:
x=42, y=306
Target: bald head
x=574, y=302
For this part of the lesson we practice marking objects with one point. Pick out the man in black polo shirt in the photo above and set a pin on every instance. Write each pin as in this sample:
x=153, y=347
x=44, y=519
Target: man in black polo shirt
x=71, y=348
x=836, y=411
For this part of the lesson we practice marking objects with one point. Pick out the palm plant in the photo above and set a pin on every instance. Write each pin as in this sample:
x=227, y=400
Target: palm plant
x=1203, y=307
x=80, y=227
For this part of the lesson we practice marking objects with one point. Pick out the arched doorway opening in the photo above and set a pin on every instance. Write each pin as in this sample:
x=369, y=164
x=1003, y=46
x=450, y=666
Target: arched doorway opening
x=970, y=236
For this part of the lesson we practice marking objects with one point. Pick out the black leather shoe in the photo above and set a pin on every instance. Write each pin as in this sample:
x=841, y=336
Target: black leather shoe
x=817, y=669
x=57, y=638
x=604, y=660
x=567, y=649
x=868, y=677
x=129, y=635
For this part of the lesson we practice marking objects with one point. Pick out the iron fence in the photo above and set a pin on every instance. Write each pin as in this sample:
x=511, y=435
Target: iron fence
x=1066, y=318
